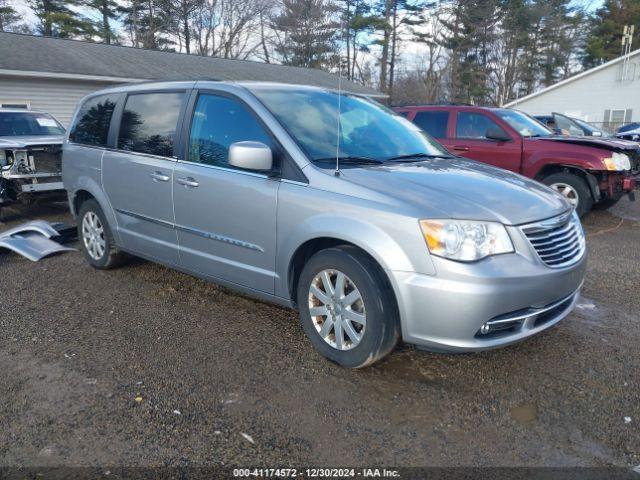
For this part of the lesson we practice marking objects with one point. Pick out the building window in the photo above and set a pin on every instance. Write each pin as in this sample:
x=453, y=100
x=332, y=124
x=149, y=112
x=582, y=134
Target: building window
x=614, y=119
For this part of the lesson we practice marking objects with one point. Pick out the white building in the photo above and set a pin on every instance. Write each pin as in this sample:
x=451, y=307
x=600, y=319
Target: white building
x=608, y=95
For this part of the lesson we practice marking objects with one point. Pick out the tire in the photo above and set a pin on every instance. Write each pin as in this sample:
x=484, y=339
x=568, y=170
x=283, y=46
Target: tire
x=91, y=216
x=569, y=184
x=361, y=277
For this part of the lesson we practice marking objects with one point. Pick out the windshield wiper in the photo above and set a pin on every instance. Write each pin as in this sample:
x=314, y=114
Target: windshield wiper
x=350, y=159
x=417, y=156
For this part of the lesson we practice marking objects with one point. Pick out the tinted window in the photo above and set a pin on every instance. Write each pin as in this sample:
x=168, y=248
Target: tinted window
x=13, y=124
x=434, y=123
x=473, y=125
x=217, y=123
x=92, y=121
x=149, y=123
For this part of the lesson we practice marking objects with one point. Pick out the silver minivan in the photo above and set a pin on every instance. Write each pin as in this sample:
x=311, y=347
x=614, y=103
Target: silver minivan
x=326, y=202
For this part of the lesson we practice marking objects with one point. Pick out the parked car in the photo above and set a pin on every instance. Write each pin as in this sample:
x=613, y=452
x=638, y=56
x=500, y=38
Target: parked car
x=381, y=236
x=586, y=171
x=565, y=125
x=629, y=132
x=30, y=156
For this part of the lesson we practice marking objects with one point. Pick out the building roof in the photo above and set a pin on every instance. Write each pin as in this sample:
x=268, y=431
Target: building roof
x=62, y=58
x=591, y=71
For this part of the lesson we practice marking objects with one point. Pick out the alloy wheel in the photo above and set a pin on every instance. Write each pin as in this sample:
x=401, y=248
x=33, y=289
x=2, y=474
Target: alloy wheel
x=567, y=191
x=337, y=309
x=93, y=235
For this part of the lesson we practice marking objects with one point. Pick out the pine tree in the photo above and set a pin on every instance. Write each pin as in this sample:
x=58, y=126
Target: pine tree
x=606, y=29
x=8, y=16
x=108, y=10
x=308, y=33
x=57, y=18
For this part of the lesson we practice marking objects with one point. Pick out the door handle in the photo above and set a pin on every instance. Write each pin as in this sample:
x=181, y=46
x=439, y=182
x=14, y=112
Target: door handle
x=188, y=182
x=159, y=177
x=460, y=148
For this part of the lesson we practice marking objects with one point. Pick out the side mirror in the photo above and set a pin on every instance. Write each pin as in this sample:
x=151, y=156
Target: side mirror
x=498, y=134
x=251, y=156
x=596, y=133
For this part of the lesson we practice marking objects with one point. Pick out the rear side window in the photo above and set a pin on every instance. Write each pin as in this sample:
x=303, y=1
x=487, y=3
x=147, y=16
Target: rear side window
x=473, y=125
x=217, y=123
x=149, y=123
x=433, y=122
x=93, y=119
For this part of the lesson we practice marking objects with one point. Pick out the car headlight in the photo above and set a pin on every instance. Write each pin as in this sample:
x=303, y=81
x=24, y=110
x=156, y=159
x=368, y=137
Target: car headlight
x=465, y=240
x=618, y=161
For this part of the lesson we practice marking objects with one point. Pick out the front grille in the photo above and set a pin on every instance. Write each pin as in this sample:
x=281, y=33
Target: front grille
x=559, y=242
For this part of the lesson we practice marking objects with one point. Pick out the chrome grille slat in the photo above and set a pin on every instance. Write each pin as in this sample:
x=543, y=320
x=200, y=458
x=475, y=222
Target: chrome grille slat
x=538, y=234
x=570, y=241
x=552, y=242
x=558, y=242
x=553, y=236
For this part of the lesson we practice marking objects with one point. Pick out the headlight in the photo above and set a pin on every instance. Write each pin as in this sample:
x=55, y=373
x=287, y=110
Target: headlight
x=465, y=240
x=618, y=161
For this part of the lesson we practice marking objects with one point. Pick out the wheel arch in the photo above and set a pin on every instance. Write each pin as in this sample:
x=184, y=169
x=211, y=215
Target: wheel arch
x=87, y=189
x=590, y=179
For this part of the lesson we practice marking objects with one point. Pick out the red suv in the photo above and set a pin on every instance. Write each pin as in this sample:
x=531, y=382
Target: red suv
x=586, y=170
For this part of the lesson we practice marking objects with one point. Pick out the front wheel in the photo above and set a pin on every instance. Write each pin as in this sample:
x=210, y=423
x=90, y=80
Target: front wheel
x=573, y=188
x=347, y=308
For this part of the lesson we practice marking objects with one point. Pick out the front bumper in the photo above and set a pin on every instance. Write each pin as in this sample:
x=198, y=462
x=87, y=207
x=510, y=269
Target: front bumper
x=517, y=292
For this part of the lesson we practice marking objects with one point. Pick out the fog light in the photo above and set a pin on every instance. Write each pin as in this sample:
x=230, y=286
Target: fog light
x=484, y=329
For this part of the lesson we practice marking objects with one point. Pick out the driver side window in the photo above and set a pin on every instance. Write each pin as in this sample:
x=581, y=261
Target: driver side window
x=473, y=125
x=217, y=123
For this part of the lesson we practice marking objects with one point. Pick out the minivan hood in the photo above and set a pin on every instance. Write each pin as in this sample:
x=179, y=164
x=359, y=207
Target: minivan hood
x=462, y=189
x=29, y=140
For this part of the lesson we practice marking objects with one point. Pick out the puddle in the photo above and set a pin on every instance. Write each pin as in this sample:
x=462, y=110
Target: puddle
x=524, y=414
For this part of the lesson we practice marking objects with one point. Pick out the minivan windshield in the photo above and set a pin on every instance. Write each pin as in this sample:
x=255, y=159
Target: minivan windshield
x=523, y=124
x=15, y=124
x=368, y=131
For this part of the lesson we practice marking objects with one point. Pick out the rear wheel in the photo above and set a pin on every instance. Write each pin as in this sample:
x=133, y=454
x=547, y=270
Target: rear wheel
x=347, y=308
x=96, y=239
x=573, y=188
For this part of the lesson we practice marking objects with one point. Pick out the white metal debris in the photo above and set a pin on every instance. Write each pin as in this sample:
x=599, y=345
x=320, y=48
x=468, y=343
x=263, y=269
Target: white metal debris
x=32, y=240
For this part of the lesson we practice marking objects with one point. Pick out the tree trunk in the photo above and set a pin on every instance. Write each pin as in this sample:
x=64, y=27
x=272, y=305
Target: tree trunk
x=46, y=20
x=394, y=37
x=384, y=59
x=185, y=23
x=106, y=28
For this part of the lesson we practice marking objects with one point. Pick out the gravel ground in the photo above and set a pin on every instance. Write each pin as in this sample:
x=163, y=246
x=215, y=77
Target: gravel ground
x=145, y=366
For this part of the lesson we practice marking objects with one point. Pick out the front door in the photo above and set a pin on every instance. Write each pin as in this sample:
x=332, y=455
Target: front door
x=471, y=142
x=225, y=217
x=137, y=176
